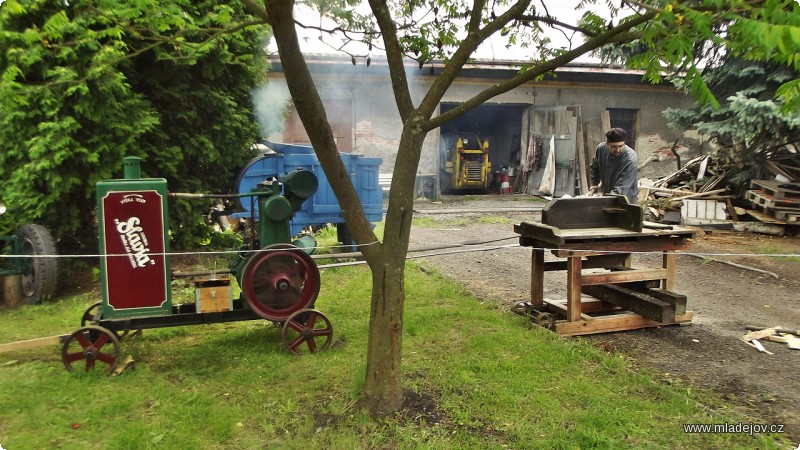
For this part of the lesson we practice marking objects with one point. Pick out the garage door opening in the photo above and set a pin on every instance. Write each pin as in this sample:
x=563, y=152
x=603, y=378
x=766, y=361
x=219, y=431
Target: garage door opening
x=476, y=149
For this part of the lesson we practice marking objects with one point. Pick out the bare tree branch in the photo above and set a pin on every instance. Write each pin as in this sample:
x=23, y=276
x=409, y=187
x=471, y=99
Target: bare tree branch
x=556, y=23
x=464, y=52
x=394, y=56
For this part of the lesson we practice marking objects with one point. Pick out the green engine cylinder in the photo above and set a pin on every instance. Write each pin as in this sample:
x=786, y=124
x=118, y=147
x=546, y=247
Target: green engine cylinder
x=276, y=208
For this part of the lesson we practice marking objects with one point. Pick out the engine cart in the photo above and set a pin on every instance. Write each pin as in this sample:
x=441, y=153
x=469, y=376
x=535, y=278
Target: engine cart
x=279, y=281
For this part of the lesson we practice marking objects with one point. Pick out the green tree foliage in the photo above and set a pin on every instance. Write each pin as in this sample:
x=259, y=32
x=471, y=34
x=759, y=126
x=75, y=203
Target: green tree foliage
x=87, y=82
x=749, y=126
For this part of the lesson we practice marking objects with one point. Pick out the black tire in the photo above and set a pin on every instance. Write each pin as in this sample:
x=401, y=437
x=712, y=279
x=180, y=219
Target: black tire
x=39, y=283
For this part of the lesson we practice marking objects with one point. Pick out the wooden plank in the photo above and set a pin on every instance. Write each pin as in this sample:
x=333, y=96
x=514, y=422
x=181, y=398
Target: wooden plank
x=537, y=235
x=618, y=322
x=606, y=233
x=591, y=262
x=582, y=161
x=669, y=261
x=778, y=170
x=537, y=276
x=766, y=218
x=602, y=239
x=760, y=334
x=636, y=285
x=586, y=147
x=562, y=309
x=637, y=302
x=623, y=276
x=31, y=343
x=595, y=247
x=574, y=289
x=677, y=300
x=589, y=305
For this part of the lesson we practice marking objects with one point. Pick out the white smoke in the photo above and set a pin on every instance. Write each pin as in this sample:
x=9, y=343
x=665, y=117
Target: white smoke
x=270, y=103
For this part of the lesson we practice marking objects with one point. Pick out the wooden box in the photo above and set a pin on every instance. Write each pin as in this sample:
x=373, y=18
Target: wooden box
x=213, y=295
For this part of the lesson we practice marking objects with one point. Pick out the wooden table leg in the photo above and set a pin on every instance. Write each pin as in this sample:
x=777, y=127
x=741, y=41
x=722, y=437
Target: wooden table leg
x=537, y=276
x=574, y=265
x=669, y=263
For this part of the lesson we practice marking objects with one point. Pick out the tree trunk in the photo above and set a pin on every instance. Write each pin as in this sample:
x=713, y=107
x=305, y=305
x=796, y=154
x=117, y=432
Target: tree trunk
x=383, y=389
x=382, y=392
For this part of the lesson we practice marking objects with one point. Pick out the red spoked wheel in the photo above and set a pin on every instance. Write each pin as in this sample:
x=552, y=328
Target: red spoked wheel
x=279, y=281
x=309, y=327
x=93, y=314
x=91, y=344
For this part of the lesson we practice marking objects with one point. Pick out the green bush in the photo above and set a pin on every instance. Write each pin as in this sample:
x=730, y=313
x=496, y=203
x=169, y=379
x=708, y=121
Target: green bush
x=86, y=83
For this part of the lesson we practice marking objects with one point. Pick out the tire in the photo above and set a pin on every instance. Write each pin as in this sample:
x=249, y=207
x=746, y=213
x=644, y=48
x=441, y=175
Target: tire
x=39, y=283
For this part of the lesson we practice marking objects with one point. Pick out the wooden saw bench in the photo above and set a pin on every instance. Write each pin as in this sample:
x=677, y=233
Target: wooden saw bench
x=596, y=237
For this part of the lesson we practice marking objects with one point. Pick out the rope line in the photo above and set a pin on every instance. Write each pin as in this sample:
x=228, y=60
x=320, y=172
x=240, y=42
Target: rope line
x=472, y=248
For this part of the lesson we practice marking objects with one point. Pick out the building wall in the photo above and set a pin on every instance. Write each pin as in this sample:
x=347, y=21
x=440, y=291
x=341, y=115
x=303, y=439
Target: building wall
x=377, y=127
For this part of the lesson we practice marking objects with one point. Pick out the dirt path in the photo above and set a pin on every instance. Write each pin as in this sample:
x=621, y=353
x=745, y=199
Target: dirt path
x=724, y=299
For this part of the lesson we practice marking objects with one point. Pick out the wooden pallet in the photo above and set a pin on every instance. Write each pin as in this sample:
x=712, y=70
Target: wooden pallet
x=777, y=189
x=788, y=217
x=765, y=217
x=779, y=213
x=762, y=199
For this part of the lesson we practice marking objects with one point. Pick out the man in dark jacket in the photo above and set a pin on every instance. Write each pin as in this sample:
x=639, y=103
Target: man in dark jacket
x=615, y=165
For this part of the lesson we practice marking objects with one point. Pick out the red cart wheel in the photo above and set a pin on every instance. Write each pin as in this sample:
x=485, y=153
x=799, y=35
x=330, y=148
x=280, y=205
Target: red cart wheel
x=280, y=281
x=88, y=344
x=93, y=314
x=307, y=326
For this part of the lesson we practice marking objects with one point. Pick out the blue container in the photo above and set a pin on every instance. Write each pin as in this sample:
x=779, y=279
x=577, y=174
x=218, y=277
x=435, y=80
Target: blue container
x=323, y=207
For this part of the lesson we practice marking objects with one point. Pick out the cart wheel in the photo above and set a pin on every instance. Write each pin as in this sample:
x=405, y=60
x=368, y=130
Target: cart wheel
x=39, y=281
x=307, y=326
x=88, y=344
x=525, y=309
x=93, y=314
x=280, y=281
x=519, y=308
x=545, y=320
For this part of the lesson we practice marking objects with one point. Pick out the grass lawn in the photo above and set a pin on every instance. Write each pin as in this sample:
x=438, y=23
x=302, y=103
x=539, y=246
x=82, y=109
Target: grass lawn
x=475, y=378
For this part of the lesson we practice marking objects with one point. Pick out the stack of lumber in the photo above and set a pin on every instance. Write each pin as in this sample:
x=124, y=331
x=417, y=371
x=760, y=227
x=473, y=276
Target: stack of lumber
x=701, y=194
x=695, y=191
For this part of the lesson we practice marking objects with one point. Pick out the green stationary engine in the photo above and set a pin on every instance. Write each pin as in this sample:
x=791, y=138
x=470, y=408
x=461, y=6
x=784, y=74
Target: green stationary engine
x=278, y=279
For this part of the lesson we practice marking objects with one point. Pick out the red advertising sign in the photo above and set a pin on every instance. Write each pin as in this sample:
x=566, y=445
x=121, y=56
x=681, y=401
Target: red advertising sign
x=135, y=261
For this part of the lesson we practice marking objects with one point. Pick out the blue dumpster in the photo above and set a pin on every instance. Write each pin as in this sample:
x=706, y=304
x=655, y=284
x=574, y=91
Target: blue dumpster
x=323, y=207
